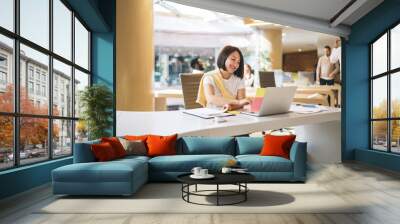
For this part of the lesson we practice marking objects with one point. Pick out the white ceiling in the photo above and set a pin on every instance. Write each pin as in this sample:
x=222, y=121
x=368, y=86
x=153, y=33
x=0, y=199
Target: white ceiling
x=312, y=15
x=176, y=24
x=320, y=9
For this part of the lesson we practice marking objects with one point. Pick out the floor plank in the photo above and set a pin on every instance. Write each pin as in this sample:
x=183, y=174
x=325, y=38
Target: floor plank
x=377, y=190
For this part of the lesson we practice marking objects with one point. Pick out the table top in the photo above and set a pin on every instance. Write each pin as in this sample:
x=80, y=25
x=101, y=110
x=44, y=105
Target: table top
x=172, y=122
x=220, y=178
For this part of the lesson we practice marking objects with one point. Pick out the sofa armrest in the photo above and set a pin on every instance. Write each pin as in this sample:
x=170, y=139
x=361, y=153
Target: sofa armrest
x=298, y=155
x=83, y=152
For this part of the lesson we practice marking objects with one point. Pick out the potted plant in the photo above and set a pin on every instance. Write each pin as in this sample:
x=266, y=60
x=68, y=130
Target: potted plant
x=96, y=102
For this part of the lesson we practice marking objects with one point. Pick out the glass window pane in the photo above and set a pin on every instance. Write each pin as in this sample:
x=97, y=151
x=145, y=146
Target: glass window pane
x=379, y=135
x=62, y=29
x=7, y=14
x=62, y=89
x=6, y=74
x=62, y=138
x=34, y=66
x=6, y=142
x=81, y=81
x=35, y=21
x=395, y=138
x=33, y=140
x=81, y=131
x=395, y=94
x=379, y=97
x=395, y=47
x=379, y=55
x=81, y=45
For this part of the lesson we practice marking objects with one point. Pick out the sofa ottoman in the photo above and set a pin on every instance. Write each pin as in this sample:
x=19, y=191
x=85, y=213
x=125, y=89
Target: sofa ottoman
x=119, y=177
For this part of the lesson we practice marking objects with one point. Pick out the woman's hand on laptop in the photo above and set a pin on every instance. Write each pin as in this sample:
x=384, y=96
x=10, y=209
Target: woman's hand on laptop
x=238, y=104
x=244, y=102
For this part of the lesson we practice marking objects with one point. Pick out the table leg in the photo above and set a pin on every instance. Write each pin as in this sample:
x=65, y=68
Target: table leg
x=217, y=194
x=245, y=191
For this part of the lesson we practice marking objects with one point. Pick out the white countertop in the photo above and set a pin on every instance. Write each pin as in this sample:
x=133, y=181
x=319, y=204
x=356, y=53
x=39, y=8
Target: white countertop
x=171, y=122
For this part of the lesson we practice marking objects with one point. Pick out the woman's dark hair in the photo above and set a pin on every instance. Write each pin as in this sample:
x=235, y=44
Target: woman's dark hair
x=223, y=56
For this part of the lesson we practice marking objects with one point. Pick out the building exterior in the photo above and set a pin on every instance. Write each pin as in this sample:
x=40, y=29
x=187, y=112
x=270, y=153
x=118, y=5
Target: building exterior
x=34, y=80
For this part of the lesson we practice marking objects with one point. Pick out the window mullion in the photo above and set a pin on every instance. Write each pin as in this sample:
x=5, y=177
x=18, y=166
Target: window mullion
x=16, y=69
x=50, y=81
x=389, y=101
x=73, y=82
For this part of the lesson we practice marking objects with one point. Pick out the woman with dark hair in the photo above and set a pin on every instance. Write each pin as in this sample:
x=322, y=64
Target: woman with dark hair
x=224, y=87
x=248, y=76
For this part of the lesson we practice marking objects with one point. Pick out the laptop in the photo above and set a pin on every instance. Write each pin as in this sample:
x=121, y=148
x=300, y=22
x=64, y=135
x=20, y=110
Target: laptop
x=276, y=100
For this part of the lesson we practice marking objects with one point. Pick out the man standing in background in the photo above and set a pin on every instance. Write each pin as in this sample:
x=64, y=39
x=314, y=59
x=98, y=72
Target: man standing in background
x=336, y=59
x=326, y=71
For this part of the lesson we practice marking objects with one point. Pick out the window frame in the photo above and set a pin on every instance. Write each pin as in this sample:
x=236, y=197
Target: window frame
x=388, y=74
x=16, y=114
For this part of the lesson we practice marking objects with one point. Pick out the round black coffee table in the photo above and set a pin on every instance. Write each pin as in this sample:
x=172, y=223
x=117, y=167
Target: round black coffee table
x=238, y=179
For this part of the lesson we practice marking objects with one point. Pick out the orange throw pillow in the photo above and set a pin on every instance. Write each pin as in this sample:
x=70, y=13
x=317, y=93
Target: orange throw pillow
x=161, y=145
x=275, y=145
x=103, y=152
x=136, y=137
x=116, y=145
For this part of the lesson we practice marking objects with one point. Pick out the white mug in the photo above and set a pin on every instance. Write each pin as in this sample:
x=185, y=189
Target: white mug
x=196, y=171
x=219, y=119
x=226, y=170
x=203, y=172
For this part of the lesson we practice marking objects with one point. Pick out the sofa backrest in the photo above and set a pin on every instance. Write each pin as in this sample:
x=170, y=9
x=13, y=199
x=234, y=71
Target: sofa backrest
x=83, y=152
x=190, y=146
x=249, y=145
x=206, y=145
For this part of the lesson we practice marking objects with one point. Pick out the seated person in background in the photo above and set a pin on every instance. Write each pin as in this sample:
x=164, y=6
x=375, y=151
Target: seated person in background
x=248, y=76
x=197, y=66
x=224, y=87
x=326, y=71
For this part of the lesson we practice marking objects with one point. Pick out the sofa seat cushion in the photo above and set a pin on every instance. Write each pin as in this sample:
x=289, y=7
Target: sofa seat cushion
x=257, y=163
x=185, y=163
x=112, y=171
x=133, y=158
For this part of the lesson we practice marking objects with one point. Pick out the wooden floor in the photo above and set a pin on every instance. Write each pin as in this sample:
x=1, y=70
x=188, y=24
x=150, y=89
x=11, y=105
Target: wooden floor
x=377, y=188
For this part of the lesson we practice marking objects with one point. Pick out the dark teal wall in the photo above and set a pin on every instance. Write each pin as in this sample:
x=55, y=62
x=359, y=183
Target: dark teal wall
x=24, y=178
x=356, y=83
x=103, y=57
x=99, y=15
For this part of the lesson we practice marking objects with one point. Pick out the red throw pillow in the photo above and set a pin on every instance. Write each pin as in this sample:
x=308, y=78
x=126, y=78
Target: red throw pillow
x=116, y=145
x=275, y=145
x=161, y=145
x=103, y=152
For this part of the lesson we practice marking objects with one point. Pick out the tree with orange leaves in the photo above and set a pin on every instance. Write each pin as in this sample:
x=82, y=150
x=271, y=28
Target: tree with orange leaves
x=33, y=130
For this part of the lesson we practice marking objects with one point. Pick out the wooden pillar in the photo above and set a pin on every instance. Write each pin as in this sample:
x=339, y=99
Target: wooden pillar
x=273, y=37
x=134, y=55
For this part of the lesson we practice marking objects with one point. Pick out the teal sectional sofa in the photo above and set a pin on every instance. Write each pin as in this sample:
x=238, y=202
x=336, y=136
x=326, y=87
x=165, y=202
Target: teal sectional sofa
x=125, y=176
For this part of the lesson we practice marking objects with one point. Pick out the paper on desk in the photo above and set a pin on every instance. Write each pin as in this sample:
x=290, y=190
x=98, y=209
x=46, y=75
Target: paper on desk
x=206, y=112
x=306, y=109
